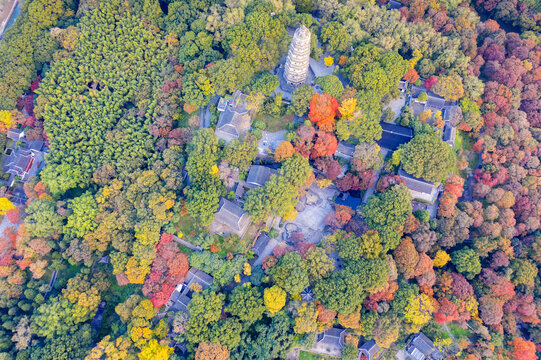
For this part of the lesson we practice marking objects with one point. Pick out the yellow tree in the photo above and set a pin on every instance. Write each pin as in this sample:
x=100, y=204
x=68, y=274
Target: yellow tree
x=6, y=121
x=419, y=311
x=441, y=258
x=306, y=319
x=5, y=205
x=275, y=299
x=348, y=108
x=155, y=351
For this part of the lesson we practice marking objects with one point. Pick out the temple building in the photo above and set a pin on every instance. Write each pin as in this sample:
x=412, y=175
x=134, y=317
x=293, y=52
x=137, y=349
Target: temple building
x=298, y=57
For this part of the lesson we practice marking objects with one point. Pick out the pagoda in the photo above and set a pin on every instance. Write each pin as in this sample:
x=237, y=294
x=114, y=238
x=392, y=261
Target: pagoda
x=298, y=57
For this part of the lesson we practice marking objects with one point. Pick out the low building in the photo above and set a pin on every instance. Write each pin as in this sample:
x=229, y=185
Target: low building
x=331, y=341
x=369, y=350
x=345, y=150
x=403, y=86
x=230, y=219
x=23, y=160
x=260, y=244
x=419, y=188
x=449, y=134
x=420, y=347
x=235, y=120
x=182, y=295
x=259, y=175
x=307, y=295
x=392, y=136
x=15, y=134
x=451, y=115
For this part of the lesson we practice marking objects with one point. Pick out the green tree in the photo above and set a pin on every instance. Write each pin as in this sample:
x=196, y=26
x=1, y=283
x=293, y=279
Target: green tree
x=335, y=37
x=349, y=352
x=246, y=303
x=524, y=272
x=204, y=309
x=300, y=99
x=339, y=292
x=242, y=153
x=466, y=262
x=318, y=264
x=81, y=221
x=265, y=83
x=297, y=170
x=352, y=247
x=73, y=345
x=290, y=273
x=276, y=198
x=205, y=184
x=428, y=157
x=98, y=128
x=331, y=85
x=267, y=340
x=370, y=69
x=43, y=220
x=387, y=212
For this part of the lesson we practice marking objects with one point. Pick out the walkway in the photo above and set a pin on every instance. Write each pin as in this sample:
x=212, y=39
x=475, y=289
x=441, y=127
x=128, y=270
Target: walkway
x=8, y=12
x=187, y=244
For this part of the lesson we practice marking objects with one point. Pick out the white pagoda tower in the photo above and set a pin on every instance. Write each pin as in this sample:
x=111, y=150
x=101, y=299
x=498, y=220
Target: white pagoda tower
x=298, y=57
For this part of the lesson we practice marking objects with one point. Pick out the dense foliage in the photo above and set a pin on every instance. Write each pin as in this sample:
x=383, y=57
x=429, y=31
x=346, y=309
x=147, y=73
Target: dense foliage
x=125, y=96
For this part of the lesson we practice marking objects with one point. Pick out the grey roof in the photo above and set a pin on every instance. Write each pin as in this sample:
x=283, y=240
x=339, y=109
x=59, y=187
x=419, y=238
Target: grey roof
x=259, y=175
x=421, y=347
x=234, y=123
x=392, y=136
x=402, y=85
x=395, y=4
x=345, y=150
x=331, y=336
x=15, y=134
x=307, y=295
x=231, y=215
x=451, y=114
x=369, y=349
x=449, y=134
x=396, y=129
x=435, y=103
x=181, y=296
x=416, y=184
x=260, y=244
x=197, y=276
x=20, y=163
x=36, y=145
x=234, y=119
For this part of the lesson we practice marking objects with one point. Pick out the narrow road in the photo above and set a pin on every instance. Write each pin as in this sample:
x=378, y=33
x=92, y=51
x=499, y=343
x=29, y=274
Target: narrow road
x=51, y=284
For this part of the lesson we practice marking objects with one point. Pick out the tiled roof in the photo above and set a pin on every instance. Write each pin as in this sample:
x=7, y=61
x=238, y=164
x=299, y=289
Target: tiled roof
x=393, y=136
x=260, y=244
x=416, y=184
x=345, y=150
x=231, y=215
x=259, y=175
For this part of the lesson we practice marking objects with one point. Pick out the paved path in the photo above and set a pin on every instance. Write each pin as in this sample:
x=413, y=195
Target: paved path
x=7, y=9
x=187, y=244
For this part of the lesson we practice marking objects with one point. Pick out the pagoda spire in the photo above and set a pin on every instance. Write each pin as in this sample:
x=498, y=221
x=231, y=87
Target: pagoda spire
x=298, y=57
